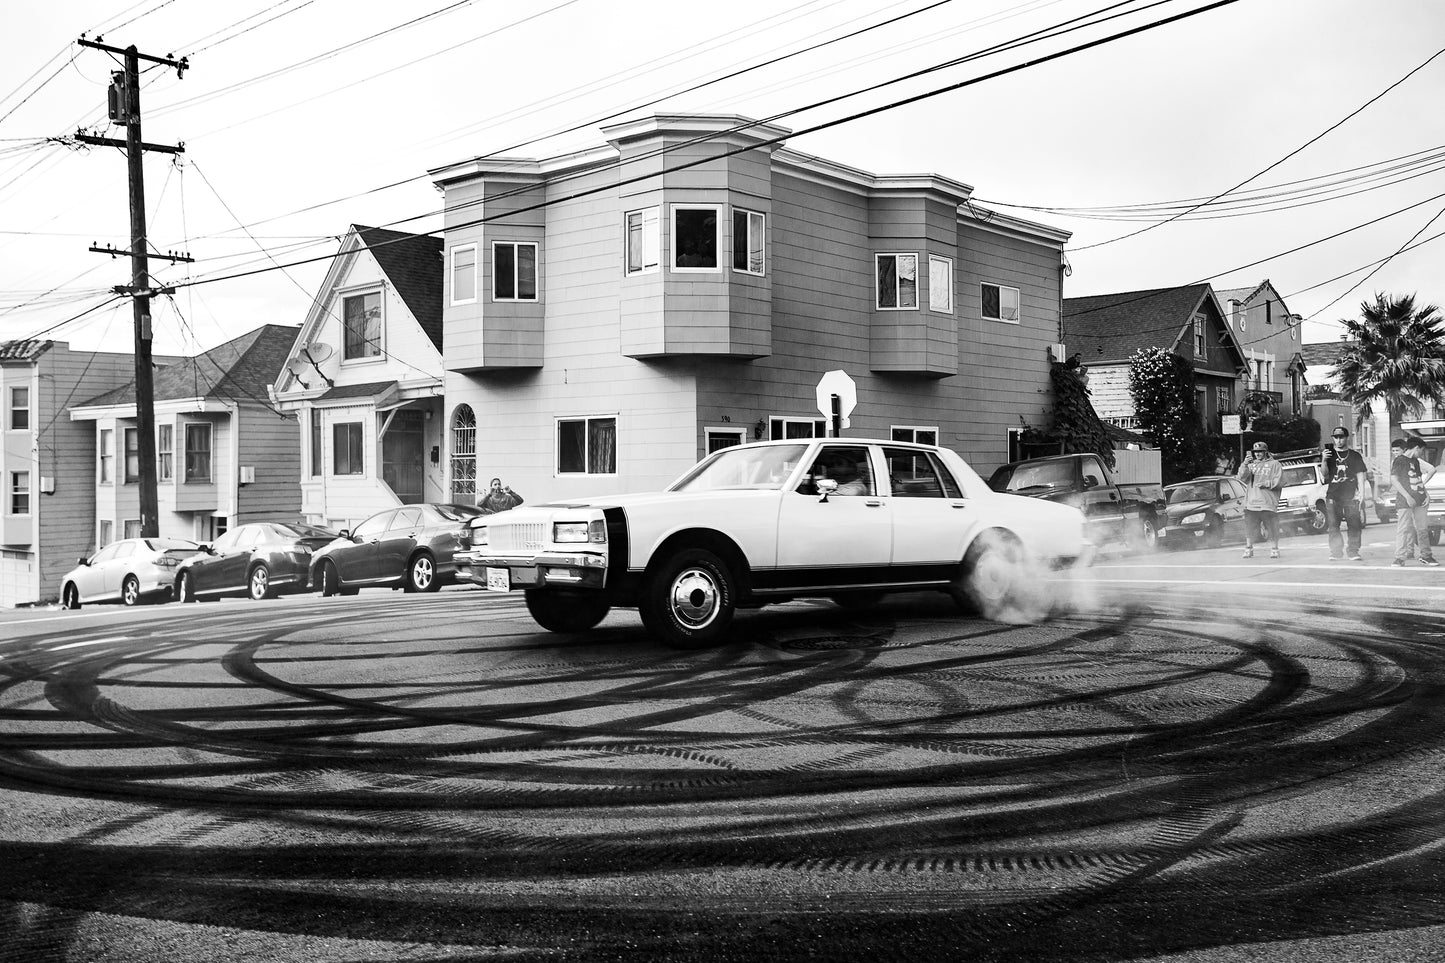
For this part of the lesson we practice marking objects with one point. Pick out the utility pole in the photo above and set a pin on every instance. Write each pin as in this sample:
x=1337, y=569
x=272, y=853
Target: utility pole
x=124, y=101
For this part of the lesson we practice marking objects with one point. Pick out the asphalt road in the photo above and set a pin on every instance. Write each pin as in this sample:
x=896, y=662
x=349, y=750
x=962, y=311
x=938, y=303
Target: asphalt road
x=1197, y=757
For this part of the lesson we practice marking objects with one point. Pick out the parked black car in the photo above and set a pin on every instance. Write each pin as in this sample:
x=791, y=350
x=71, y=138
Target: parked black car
x=411, y=547
x=259, y=559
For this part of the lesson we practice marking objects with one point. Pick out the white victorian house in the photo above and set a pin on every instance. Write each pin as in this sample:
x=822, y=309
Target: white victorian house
x=365, y=380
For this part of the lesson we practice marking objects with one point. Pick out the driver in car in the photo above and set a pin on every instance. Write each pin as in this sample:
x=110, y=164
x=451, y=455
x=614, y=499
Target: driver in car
x=842, y=469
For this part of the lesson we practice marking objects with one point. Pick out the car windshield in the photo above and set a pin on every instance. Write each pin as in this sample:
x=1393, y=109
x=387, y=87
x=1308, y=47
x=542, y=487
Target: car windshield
x=1199, y=492
x=1297, y=475
x=1026, y=477
x=764, y=466
x=299, y=530
x=457, y=513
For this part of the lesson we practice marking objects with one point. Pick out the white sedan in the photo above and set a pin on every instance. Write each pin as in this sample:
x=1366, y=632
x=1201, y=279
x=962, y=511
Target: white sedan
x=840, y=518
x=128, y=571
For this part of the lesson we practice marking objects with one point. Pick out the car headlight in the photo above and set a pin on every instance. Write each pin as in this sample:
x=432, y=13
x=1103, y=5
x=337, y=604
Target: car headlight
x=1192, y=519
x=593, y=531
x=1298, y=501
x=479, y=535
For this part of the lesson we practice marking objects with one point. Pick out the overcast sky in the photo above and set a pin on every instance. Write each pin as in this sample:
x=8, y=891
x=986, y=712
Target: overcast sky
x=299, y=116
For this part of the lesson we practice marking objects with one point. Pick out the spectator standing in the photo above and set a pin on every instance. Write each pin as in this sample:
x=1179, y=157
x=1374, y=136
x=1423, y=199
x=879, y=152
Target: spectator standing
x=1409, y=471
x=1262, y=474
x=498, y=498
x=1346, y=483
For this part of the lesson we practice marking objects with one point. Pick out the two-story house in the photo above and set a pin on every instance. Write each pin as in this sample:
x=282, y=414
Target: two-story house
x=47, y=462
x=224, y=453
x=1106, y=329
x=612, y=315
x=364, y=379
x=1269, y=335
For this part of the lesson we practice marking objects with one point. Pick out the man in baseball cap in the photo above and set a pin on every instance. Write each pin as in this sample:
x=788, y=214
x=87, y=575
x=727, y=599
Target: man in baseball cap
x=1261, y=474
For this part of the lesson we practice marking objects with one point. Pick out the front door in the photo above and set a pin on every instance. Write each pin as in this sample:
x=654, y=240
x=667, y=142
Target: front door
x=402, y=443
x=398, y=541
x=357, y=562
x=840, y=539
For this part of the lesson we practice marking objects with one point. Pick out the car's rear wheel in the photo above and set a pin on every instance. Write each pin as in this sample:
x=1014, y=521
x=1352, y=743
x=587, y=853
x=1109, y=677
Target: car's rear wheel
x=1143, y=539
x=258, y=586
x=565, y=612
x=70, y=596
x=185, y=588
x=421, y=574
x=1319, y=521
x=689, y=600
x=130, y=590
x=995, y=581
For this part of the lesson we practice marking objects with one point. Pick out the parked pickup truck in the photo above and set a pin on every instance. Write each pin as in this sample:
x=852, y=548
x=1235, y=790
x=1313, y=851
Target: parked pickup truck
x=1131, y=513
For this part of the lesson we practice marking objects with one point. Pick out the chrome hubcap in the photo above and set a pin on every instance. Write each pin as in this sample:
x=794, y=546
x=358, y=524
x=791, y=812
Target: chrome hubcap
x=258, y=582
x=694, y=598
x=421, y=572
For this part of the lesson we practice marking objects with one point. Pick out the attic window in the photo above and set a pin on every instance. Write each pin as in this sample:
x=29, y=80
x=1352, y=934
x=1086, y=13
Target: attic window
x=1199, y=346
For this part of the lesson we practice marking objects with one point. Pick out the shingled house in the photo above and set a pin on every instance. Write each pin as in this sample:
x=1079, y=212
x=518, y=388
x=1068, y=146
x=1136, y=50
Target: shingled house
x=224, y=453
x=1104, y=330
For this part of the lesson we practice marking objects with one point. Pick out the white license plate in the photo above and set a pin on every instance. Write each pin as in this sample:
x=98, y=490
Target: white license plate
x=499, y=580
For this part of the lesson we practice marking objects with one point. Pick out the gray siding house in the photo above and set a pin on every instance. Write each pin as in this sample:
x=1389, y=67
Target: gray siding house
x=47, y=462
x=610, y=316
x=225, y=455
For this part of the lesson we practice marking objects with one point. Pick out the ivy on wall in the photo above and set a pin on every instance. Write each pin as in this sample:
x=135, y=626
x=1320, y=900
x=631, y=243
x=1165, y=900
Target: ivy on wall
x=1162, y=386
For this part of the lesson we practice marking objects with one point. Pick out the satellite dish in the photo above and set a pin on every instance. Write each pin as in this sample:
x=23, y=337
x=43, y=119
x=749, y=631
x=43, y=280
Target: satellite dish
x=297, y=366
x=317, y=352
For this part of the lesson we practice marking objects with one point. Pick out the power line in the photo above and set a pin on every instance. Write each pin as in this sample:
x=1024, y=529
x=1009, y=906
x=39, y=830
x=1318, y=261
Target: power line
x=1286, y=157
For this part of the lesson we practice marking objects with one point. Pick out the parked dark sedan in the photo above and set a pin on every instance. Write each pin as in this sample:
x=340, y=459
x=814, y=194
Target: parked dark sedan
x=258, y=559
x=411, y=547
x=1204, y=510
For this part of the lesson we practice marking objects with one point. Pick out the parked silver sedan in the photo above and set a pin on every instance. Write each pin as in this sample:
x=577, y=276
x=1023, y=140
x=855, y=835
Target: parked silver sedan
x=129, y=571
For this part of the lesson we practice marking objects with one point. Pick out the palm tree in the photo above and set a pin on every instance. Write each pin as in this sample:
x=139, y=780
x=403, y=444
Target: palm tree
x=1396, y=358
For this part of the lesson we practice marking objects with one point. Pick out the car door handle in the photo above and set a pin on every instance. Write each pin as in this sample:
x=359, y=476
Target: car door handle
x=874, y=503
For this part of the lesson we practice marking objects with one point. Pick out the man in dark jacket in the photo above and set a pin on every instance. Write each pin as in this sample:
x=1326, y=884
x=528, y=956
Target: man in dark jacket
x=1346, y=485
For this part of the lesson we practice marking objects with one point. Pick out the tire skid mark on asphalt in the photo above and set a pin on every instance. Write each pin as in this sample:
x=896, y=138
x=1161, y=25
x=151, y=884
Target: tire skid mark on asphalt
x=1184, y=818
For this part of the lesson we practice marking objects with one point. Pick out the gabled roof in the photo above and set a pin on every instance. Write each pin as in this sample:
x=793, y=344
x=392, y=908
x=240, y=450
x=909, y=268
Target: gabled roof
x=413, y=263
x=1111, y=327
x=23, y=350
x=239, y=370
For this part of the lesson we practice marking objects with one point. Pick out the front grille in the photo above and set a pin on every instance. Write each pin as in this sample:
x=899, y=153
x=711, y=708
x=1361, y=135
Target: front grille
x=519, y=538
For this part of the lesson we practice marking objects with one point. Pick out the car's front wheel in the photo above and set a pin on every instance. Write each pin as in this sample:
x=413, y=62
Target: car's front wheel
x=1319, y=521
x=130, y=590
x=185, y=588
x=258, y=586
x=70, y=596
x=565, y=612
x=421, y=574
x=1143, y=539
x=690, y=599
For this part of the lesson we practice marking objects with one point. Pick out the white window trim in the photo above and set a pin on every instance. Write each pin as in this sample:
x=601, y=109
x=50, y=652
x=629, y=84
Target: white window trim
x=557, y=421
x=763, y=233
x=127, y=524
x=357, y=292
x=516, y=262
x=717, y=238
x=641, y=212
x=335, y=424
x=105, y=434
x=916, y=299
x=812, y=421
x=915, y=429
x=13, y=488
x=210, y=478
x=952, y=301
x=164, y=476
x=100, y=527
x=737, y=431
x=11, y=407
x=452, y=275
x=1201, y=337
x=126, y=478
x=1018, y=299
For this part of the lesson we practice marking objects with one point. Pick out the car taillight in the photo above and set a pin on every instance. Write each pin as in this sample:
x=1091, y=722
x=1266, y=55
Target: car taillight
x=167, y=561
x=300, y=548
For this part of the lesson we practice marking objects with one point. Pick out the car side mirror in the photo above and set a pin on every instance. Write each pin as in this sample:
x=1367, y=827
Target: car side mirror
x=826, y=487
x=1090, y=482
x=206, y=547
x=82, y=561
x=345, y=533
x=1224, y=497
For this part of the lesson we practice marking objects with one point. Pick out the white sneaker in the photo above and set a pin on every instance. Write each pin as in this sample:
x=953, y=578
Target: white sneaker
x=1248, y=553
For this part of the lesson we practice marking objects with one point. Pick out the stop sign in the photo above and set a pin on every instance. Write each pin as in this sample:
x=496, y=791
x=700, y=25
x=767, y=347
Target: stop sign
x=837, y=383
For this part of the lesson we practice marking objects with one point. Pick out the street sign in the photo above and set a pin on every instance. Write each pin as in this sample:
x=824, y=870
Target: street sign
x=837, y=383
x=1229, y=425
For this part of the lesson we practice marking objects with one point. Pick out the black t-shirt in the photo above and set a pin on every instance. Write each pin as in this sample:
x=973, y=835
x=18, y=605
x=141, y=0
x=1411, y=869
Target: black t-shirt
x=1406, y=469
x=1341, y=472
